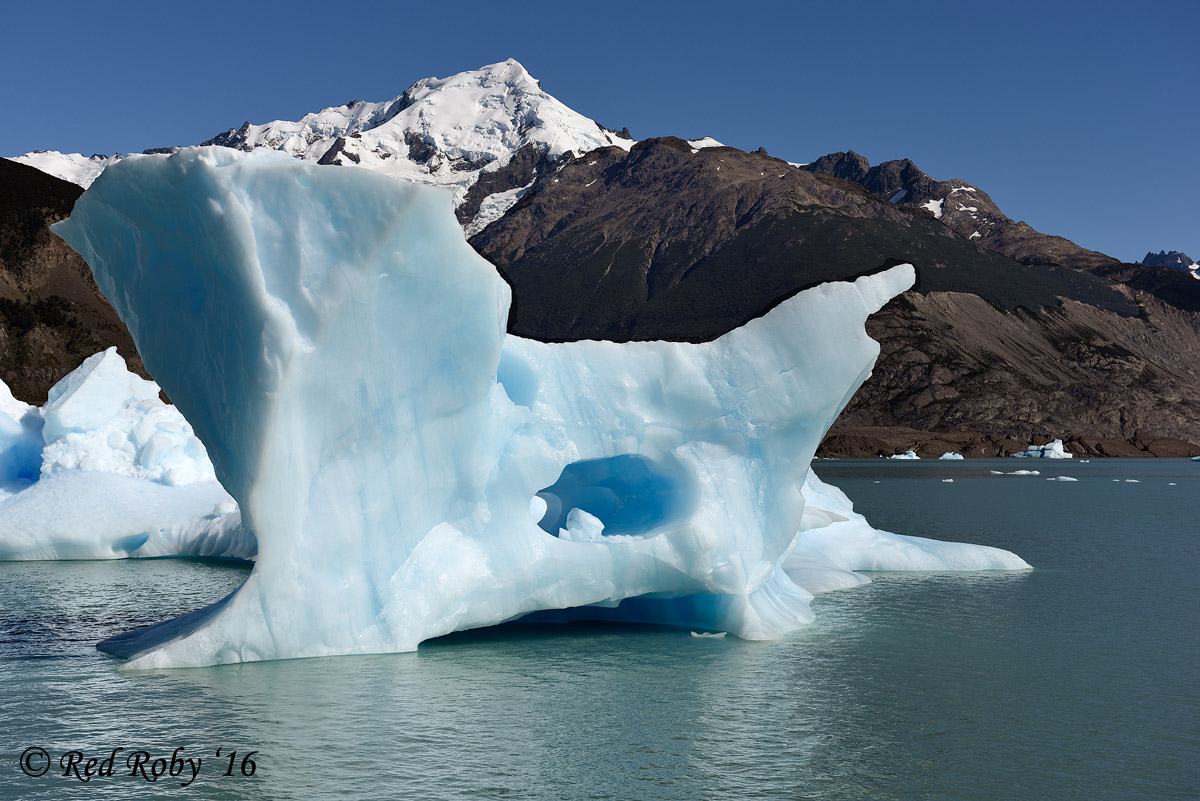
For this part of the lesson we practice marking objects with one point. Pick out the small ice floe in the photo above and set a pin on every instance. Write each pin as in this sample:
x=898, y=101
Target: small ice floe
x=1084, y=461
x=1024, y=473
x=905, y=455
x=951, y=455
x=947, y=481
x=996, y=472
x=716, y=635
x=1062, y=478
x=1196, y=458
x=1170, y=483
x=1132, y=481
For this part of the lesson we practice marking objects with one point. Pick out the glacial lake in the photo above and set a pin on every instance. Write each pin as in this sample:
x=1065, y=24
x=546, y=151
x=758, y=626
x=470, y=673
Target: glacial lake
x=1077, y=680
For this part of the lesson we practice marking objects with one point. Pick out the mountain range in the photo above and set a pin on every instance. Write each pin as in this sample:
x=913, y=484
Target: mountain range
x=1174, y=260
x=1011, y=337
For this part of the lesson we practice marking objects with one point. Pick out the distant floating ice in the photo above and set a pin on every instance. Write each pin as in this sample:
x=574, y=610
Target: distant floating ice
x=1062, y=478
x=719, y=635
x=947, y=481
x=1024, y=473
x=951, y=455
x=905, y=455
x=1051, y=450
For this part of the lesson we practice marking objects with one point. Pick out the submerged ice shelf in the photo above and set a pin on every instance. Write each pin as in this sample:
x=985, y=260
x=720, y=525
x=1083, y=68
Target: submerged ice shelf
x=342, y=352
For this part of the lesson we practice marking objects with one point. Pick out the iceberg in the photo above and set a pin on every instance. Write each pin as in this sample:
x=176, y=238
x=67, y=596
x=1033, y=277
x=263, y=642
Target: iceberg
x=905, y=455
x=951, y=455
x=1051, y=450
x=411, y=470
x=107, y=470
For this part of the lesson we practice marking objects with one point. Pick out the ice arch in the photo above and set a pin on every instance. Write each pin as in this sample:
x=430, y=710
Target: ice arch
x=341, y=352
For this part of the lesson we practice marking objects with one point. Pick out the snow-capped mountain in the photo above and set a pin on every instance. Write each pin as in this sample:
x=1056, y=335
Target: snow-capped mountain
x=447, y=132
x=74, y=167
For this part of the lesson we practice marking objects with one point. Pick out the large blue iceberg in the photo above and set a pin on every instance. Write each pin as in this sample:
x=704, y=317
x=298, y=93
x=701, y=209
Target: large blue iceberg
x=411, y=470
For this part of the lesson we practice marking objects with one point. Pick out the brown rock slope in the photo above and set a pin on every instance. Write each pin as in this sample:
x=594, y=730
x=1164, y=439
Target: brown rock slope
x=52, y=316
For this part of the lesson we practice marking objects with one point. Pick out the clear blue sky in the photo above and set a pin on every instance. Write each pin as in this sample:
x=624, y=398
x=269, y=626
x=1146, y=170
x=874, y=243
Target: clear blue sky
x=1081, y=118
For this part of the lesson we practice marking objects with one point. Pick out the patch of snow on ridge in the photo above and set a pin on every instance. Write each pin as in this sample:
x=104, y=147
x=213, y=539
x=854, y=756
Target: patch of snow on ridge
x=494, y=207
x=707, y=141
x=934, y=206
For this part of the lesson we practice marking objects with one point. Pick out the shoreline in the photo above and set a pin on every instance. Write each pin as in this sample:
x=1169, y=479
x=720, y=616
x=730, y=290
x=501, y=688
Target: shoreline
x=874, y=441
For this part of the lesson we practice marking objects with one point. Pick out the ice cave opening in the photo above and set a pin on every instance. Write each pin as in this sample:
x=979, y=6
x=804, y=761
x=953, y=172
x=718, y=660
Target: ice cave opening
x=630, y=495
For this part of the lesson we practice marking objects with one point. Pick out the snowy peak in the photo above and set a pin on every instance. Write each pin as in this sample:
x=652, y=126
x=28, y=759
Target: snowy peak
x=445, y=132
x=74, y=167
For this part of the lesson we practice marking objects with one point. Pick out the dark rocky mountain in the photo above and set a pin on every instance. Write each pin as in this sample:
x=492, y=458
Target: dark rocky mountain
x=1173, y=259
x=987, y=355
x=964, y=208
x=52, y=316
x=670, y=242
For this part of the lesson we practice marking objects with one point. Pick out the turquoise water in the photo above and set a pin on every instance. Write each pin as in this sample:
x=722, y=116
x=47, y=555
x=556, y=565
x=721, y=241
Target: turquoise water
x=1078, y=680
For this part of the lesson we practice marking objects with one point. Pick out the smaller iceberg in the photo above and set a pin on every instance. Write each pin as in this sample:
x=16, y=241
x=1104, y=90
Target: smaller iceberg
x=905, y=455
x=951, y=455
x=1051, y=450
x=107, y=470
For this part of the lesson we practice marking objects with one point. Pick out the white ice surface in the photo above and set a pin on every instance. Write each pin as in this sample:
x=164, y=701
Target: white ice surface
x=342, y=352
x=824, y=558
x=950, y=455
x=106, y=470
x=905, y=455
